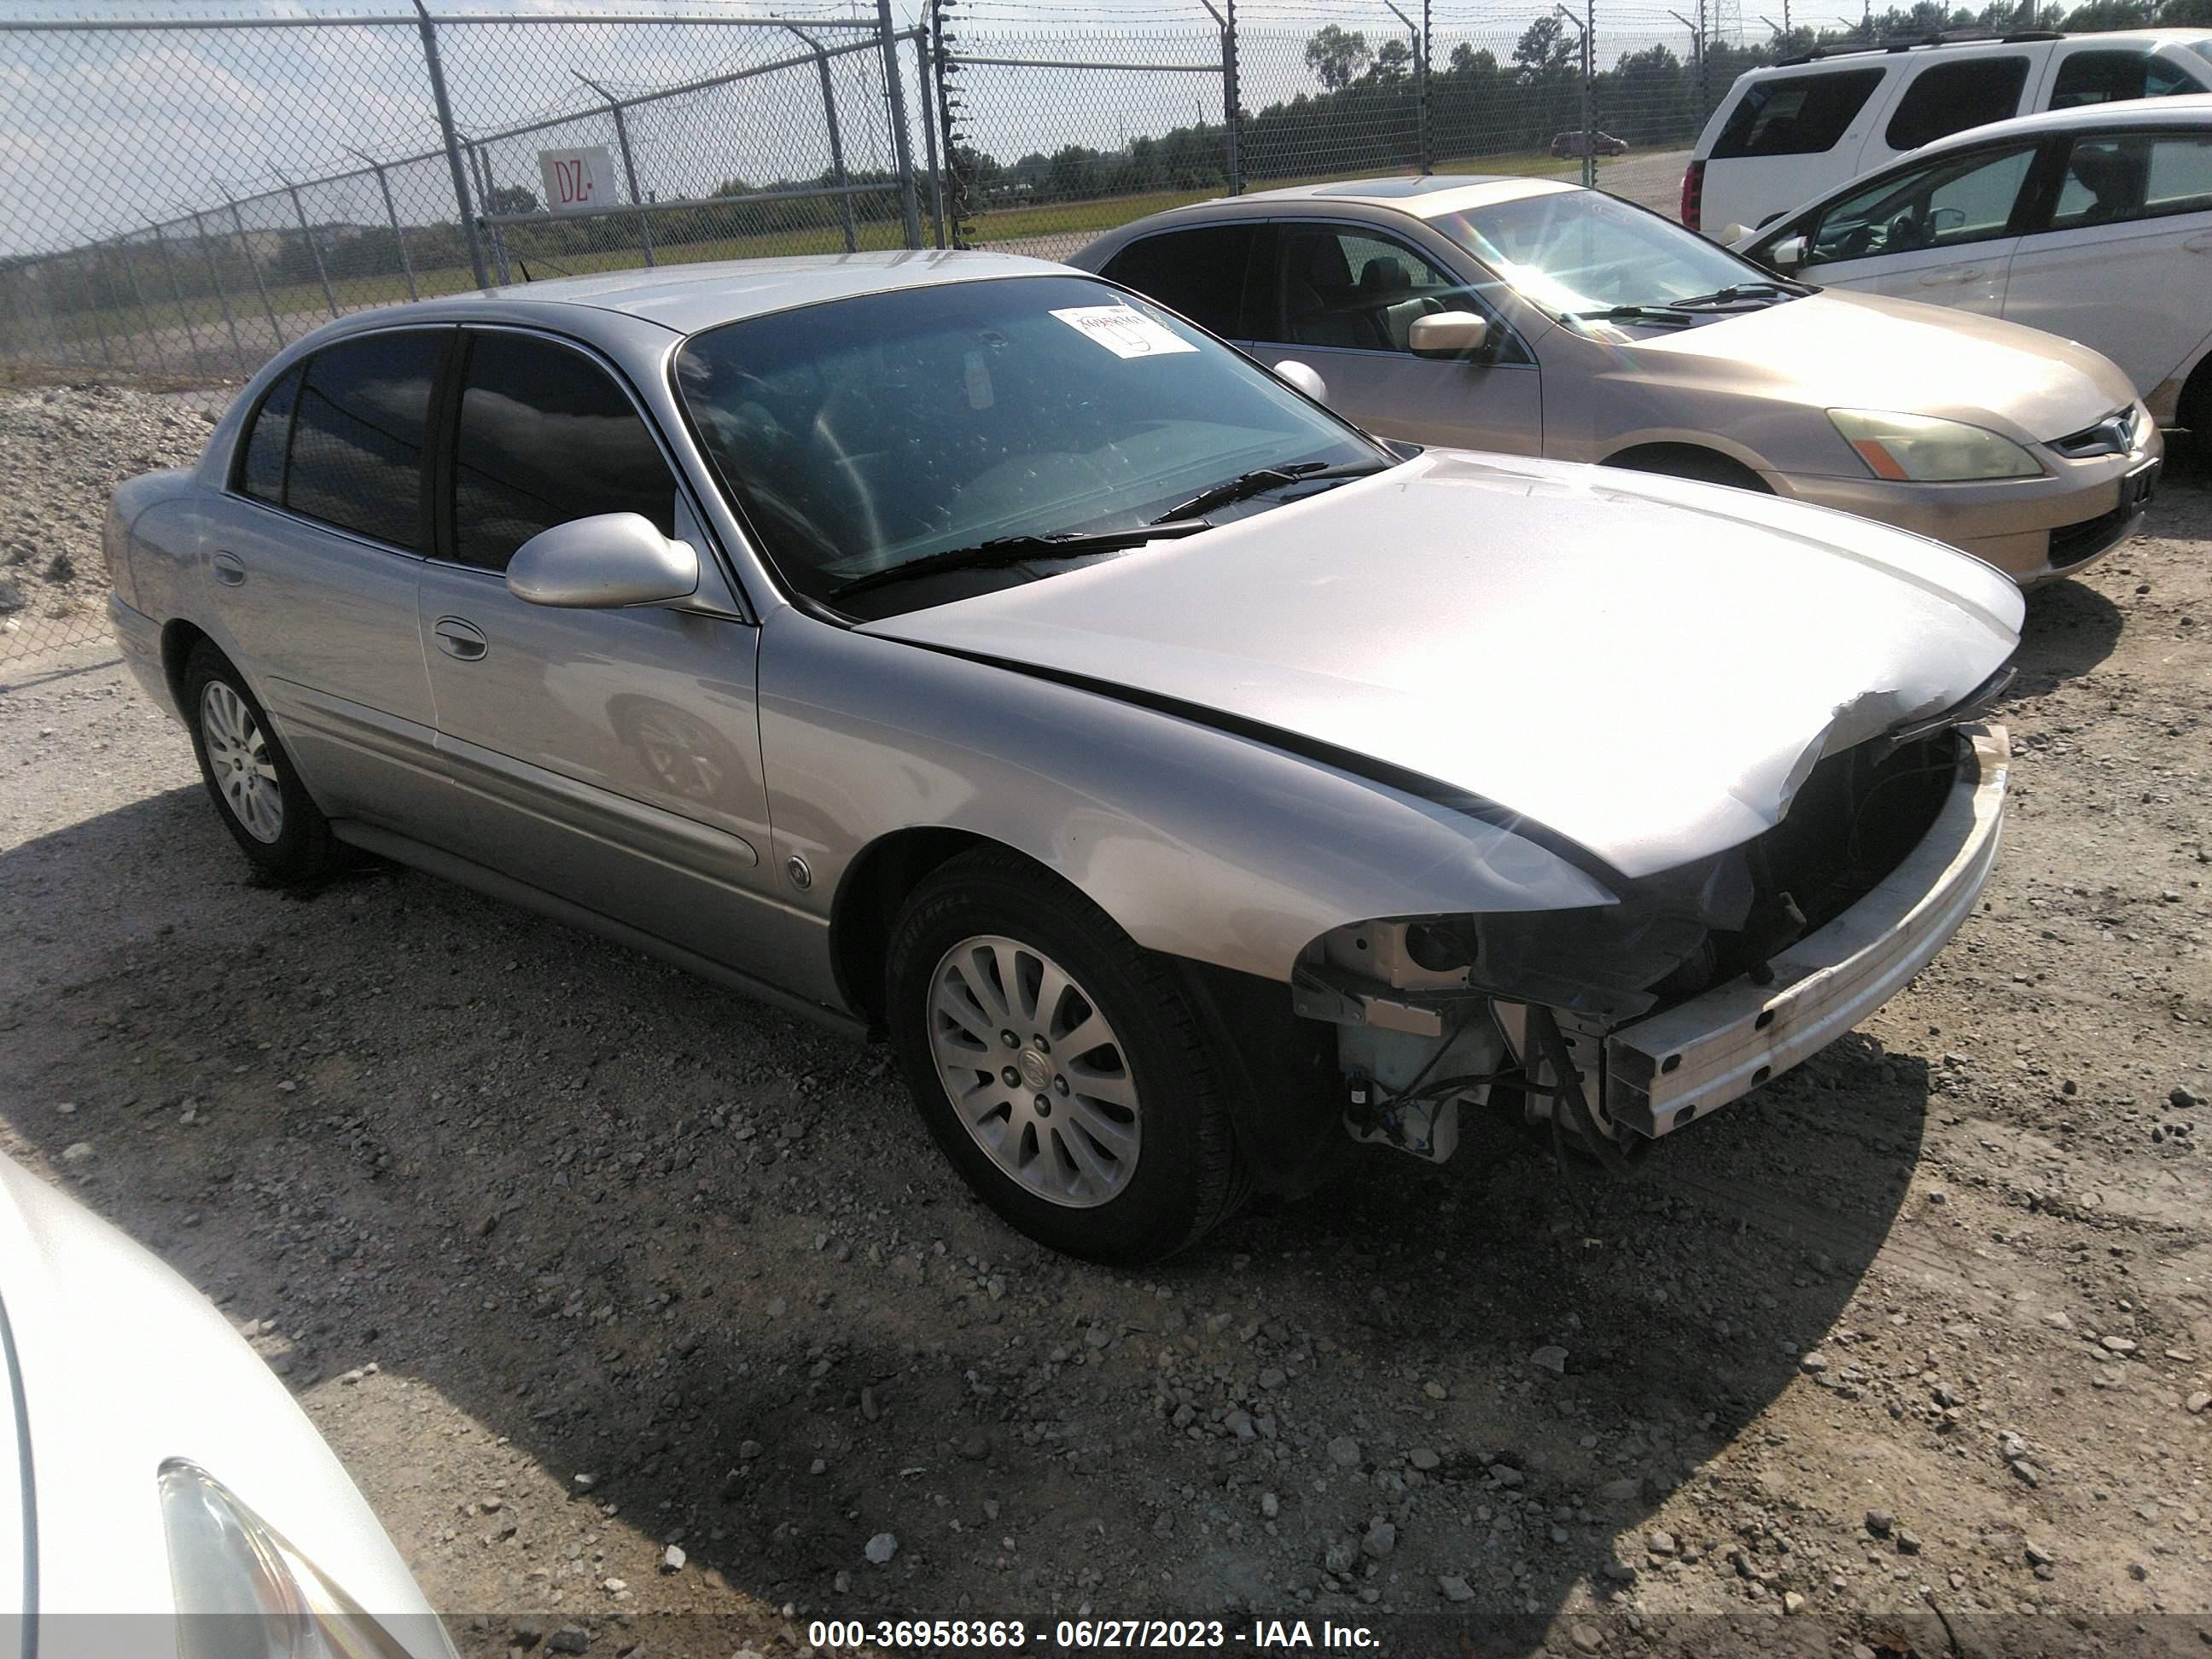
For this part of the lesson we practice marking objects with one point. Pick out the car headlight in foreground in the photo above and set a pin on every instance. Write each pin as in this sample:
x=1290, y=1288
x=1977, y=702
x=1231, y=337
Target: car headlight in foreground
x=1925, y=449
x=242, y=1592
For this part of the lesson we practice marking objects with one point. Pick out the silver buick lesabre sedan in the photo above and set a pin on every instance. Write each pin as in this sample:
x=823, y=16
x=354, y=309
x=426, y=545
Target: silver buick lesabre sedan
x=964, y=649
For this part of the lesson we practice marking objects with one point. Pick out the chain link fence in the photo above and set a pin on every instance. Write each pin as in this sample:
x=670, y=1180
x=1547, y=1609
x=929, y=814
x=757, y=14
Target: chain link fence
x=1057, y=127
x=190, y=191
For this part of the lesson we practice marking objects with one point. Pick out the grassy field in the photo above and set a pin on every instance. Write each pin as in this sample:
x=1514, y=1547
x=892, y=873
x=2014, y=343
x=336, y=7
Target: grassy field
x=299, y=305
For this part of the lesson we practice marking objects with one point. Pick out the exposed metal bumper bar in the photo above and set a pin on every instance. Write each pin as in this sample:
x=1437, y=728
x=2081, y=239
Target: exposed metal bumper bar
x=1681, y=1064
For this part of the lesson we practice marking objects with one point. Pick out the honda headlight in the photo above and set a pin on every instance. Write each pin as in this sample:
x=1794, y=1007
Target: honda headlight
x=1922, y=449
x=242, y=1592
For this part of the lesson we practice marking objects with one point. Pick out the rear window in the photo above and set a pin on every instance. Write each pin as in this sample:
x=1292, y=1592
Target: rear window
x=2105, y=77
x=1948, y=98
x=1199, y=272
x=1795, y=115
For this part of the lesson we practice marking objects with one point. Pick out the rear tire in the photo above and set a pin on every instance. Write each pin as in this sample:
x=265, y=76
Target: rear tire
x=1101, y=1128
x=257, y=792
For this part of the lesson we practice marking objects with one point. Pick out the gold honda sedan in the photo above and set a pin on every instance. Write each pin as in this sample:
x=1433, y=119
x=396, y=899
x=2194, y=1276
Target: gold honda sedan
x=1539, y=317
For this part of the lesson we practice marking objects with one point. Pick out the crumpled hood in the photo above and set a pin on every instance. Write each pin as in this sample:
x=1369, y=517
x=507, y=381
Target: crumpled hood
x=1645, y=666
x=1842, y=350
x=123, y=1365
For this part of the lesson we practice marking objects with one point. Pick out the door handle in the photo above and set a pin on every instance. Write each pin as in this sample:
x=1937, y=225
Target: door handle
x=1946, y=278
x=230, y=568
x=2200, y=243
x=459, y=639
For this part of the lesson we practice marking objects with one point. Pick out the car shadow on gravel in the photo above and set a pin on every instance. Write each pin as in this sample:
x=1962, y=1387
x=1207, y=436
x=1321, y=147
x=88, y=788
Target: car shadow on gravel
x=591, y=1217
x=2070, y=628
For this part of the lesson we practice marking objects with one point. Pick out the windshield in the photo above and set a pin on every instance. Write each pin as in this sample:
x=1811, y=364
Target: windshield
x=868, y=433
x=1575, y=251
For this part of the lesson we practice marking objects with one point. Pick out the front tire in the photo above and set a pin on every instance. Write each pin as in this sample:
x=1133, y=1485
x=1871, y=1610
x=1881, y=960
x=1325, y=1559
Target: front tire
x=257, y=792
x=1060, y=1068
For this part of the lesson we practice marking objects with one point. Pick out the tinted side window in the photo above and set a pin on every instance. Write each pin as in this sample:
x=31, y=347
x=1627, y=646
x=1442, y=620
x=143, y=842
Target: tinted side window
x=545, y=437
x=261, y=469
x=1795, y=115
x=1199, y=272
x=357, y=436
x=2135, y=176
x=1948, y=98
x=2104, y=78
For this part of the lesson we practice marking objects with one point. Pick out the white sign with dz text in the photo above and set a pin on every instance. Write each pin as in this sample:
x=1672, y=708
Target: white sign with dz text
x=578, y=178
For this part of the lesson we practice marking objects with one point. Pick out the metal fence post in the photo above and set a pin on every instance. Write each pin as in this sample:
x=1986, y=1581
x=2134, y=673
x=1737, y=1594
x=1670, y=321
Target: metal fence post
x=1590, y=72
x=177, y=292
x=306, y=231
x=245, y=250
x=1420, y=89
x=1232, y=118
x=955, y=179
x=430, y=34
x=484, y=192
x=921, y=79
x=99, y=323
x=390, y=212
x=909, y=207
x=145, y=314
x=630, y=166
x=837, y=138
x=223, y=296
x=108, y=289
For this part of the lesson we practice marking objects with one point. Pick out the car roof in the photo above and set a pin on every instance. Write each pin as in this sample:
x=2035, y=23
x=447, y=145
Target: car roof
x=2191, y=109
x=690, y=297
x=1869, y=55
x=1425, y=195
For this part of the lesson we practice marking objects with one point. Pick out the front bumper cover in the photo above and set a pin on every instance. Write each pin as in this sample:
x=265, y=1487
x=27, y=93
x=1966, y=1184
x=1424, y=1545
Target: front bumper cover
x=1682, y=1063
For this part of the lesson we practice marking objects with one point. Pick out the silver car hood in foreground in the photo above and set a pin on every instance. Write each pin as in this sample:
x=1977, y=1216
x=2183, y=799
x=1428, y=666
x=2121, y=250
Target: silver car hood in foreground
x=1645, y=666
x=121, y=1365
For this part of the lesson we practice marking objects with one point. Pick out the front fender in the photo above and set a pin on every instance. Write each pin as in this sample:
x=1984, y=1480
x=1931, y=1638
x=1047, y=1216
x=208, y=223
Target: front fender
x=1199, y=844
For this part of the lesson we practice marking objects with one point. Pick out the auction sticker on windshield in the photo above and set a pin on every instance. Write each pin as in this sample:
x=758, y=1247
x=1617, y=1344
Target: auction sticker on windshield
x=1122, y=329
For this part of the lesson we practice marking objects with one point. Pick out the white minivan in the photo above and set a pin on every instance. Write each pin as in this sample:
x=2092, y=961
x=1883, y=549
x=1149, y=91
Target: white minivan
x=2094, y=224
x=1785, y=135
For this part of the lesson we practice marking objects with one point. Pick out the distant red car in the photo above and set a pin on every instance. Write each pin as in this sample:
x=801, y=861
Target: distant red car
x=1601, y=144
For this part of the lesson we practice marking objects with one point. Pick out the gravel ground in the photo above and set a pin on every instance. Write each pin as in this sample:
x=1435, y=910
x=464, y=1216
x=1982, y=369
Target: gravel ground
x=573, y=1259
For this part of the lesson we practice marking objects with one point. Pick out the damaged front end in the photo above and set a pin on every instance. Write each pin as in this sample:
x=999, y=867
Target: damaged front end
x=1623, y=1022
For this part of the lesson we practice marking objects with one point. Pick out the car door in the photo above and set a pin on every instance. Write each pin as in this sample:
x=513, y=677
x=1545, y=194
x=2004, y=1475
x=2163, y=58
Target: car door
x=1940, y=230
x=1340, y=297
x=609, y=756
x=2122, y=244
x=315, y=550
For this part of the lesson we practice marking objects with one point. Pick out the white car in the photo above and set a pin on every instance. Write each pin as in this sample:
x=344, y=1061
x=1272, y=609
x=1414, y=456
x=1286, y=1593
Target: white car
x=163, y=1497
x=2094, y=224
x=1793, y=132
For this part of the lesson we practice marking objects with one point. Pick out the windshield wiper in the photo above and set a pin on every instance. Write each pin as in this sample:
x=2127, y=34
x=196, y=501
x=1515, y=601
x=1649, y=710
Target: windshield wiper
x=1258, y=482
x=1022, y=549
x=1672, y=316
x=1735, y=291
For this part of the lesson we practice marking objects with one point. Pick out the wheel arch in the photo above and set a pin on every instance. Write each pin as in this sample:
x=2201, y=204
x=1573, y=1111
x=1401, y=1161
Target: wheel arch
x=870, y=893
x=1706, y=459
x=180, y=639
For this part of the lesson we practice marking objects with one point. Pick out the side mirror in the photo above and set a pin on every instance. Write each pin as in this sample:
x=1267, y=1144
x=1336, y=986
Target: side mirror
x=1788, y=253
x=1945, y=219
x=1305, y=379
x=1448, y=334
x=1729, y=235
x=602, y=563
